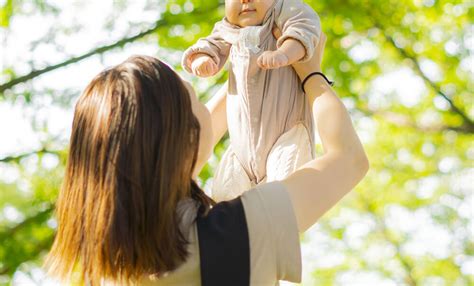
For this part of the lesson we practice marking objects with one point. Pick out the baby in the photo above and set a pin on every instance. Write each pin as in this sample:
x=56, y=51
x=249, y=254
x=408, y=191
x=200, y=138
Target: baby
x=269, y=117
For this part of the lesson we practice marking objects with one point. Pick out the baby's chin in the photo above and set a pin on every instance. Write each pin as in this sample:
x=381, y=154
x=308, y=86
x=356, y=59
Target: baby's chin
x=249, y=21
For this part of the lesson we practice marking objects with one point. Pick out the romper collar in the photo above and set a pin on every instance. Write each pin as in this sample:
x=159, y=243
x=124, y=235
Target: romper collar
x=233, y=34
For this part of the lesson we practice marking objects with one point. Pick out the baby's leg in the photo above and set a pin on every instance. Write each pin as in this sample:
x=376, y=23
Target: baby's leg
x=230, y=179
x=292, y=150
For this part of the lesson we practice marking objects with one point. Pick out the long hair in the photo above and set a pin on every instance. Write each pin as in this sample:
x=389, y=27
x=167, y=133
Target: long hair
x=133, y=148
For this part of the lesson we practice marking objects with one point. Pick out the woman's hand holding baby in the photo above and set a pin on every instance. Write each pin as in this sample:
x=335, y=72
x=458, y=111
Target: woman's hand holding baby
x=314, y=63
x=203, y=65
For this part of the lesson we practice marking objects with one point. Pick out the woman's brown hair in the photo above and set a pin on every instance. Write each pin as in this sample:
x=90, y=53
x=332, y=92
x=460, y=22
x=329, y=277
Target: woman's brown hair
x=133, y=148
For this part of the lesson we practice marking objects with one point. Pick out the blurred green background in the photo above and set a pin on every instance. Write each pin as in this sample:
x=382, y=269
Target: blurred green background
x=403, y=69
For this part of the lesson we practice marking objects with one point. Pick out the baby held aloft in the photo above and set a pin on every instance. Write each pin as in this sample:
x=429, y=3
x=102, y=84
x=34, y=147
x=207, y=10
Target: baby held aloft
x=269, y=116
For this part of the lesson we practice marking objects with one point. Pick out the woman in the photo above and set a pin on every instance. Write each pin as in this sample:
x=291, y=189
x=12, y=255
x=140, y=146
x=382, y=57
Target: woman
x=130, y=212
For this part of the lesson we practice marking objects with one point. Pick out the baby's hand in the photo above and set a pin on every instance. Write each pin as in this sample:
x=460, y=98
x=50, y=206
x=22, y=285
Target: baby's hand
x=272, y=60
x=204, y=66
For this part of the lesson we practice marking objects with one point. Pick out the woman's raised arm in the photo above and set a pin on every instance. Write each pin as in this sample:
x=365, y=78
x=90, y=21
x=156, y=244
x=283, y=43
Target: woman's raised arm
x=217, y=107
x=321, y=183
x=212, y=118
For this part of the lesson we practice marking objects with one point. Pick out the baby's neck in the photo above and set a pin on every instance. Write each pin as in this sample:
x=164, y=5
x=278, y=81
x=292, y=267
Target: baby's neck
x=245, y=26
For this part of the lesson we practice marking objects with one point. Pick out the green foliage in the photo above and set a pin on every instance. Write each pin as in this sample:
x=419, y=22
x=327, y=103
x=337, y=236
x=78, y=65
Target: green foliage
x=402, y=67
x=6, y=12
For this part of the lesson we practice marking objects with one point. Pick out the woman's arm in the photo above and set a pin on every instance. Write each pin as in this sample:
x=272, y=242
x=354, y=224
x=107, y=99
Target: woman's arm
x=213, y=120
x=322, y=182
x=217, y=106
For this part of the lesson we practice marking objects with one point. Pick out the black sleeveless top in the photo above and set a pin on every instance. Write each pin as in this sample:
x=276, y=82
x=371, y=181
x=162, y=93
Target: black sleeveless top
x=224, y=245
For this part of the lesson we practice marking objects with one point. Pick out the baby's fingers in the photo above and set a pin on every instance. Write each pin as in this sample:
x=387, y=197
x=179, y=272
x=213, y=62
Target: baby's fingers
x=268, y=61
x=275, y=63
x=206, y=69
x=211, y=69
x=260, y=61
x=214, y=68
x=201, y=70
x=189, y=63
x=194, y=70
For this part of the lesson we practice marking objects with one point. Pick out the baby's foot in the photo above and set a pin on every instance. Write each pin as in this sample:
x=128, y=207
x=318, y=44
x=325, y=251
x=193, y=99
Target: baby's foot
x=204, y=66
x=272, y=60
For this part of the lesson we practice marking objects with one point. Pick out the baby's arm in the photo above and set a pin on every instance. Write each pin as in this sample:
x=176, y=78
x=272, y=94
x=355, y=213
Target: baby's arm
x=301, y=29
x=290, y=52
x=208, y=55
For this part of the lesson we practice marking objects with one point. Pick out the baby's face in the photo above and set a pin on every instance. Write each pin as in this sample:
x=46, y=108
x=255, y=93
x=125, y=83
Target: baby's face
x=245, y=13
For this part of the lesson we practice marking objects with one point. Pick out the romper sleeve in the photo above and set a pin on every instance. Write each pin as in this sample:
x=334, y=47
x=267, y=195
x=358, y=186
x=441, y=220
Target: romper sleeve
x=273, y=234
x=299, y=21
x=214, y=45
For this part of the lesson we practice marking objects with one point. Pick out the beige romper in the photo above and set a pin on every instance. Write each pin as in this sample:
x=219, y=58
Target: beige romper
x=269, y=117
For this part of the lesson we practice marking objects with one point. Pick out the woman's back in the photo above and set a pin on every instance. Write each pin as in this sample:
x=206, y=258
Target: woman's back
x=251, y=240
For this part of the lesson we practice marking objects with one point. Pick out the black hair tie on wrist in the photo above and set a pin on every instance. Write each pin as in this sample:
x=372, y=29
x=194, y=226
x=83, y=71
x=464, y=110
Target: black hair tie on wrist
x=331, y=83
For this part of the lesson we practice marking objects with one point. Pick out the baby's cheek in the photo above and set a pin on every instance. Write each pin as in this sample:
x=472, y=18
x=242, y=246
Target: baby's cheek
x=263, y=6
x=232, y=10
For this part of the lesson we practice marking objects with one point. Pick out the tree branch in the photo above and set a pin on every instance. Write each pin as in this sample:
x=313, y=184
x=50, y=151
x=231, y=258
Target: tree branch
x=40, y=247
x=40, y=215
x=468, y=123
x=98, y=51
x=201, y=13
x=401, y=120
x=44, y=244
x=4, y=270
x=17, y=158
x=407, y=266
x=405, y=121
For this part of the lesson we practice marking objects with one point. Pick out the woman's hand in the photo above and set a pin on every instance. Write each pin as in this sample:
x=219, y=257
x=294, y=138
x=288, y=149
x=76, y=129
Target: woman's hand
x=312, y=65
